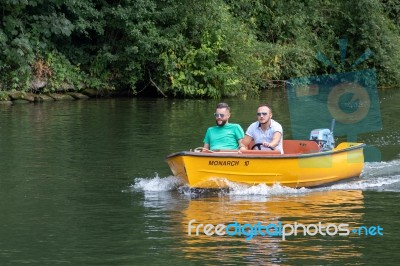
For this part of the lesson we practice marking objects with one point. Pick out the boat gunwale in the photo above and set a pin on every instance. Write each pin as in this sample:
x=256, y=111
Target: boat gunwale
x=237, y=154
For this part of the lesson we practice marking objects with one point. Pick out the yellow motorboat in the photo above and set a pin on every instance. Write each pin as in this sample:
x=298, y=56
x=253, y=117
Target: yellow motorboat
x=304, y=163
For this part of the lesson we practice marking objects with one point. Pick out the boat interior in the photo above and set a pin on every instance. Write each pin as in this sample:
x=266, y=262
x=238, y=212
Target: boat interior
x=289, y=147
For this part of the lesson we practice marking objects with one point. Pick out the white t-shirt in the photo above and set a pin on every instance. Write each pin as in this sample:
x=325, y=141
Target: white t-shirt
x=259, y=136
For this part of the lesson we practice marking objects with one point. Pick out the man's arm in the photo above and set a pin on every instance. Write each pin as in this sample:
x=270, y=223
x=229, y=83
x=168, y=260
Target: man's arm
x=244, y=142
x=275, y=140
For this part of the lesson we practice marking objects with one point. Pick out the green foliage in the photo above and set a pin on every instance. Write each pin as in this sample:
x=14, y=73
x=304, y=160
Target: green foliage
x=211, y=48
x=295, y=31
x=63, y=73
x=3, y=96
x=32, y=30
x=372, y=29
x=217, y=59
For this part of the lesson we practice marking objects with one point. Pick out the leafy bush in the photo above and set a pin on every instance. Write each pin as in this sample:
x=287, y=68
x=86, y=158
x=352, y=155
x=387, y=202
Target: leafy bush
x=188, y=48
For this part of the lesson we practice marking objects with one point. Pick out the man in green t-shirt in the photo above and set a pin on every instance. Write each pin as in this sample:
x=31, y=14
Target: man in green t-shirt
x=225, y=135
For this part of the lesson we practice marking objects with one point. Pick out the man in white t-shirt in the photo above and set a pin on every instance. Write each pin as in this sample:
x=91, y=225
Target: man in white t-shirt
x=266, y=132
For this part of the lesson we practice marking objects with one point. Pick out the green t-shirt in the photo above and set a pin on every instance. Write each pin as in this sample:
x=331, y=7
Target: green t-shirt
x=225, y=137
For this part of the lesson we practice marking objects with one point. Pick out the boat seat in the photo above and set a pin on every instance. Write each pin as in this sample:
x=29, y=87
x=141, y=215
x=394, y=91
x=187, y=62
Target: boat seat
x=294, y=147
x=300, y=146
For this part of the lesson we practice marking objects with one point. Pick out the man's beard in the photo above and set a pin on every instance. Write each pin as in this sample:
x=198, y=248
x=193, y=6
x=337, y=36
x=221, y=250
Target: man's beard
x=223, y=122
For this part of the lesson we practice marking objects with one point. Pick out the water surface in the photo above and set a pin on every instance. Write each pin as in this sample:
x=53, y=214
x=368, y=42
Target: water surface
x=86, y=183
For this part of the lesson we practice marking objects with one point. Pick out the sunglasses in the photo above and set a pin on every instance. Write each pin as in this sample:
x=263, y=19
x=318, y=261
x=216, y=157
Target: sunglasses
x=219, y=115
x=260, y=114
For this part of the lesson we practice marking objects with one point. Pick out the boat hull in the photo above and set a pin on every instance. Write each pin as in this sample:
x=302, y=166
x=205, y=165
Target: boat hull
x=219, y=169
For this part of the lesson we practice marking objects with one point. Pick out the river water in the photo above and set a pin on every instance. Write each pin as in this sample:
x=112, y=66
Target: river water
x=86, y=183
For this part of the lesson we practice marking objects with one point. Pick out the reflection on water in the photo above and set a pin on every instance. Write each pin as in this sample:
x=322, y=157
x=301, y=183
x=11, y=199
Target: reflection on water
x=341, y=203
x=326, y=207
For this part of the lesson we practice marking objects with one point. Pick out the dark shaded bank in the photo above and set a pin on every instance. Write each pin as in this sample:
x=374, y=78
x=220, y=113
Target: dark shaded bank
x=18, y=97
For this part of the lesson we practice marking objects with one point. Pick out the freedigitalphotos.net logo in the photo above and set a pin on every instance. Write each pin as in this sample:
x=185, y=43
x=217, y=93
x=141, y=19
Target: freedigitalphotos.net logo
x=279, y=229
x=351, y=98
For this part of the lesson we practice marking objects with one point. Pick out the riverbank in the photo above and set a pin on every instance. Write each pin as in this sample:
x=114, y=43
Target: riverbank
x=18, y=97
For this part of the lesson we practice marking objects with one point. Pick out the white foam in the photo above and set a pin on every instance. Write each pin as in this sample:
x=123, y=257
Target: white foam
x=368, y=183
x=381, y=169
x=157, y=183
x=263, y=189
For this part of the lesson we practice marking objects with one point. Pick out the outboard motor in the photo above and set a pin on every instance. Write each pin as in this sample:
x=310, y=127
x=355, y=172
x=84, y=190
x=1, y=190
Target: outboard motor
x=324, y=137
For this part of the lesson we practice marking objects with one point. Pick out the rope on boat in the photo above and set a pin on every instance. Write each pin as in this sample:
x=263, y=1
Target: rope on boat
x=200, y=149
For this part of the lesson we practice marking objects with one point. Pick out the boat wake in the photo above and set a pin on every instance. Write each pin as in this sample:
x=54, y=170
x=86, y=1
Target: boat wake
x=156, y=183
x=377, y=176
